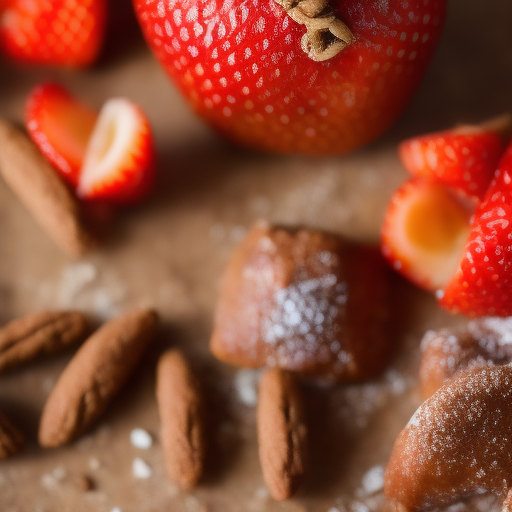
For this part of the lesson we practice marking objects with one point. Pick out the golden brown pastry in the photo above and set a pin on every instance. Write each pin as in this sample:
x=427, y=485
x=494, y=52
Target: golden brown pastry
x=457, y=444
x=304, y=301
x=449, y=352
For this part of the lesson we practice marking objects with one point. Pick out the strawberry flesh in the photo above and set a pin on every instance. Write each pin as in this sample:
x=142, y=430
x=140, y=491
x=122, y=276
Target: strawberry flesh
x=464, y=158
x=423, y=233
x=119, y=161
x=482, y=284
x=60, y=126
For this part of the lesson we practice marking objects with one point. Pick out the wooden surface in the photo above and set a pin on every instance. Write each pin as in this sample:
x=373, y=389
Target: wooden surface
x=170, y=252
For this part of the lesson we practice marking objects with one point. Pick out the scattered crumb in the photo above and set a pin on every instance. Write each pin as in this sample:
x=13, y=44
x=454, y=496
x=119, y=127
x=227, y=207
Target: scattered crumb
x=140, y=438
x=74, y=278
x=246, y=385
x=84, y=483
x=261, y=492
x=94, y=463
x=373, y=481
x=60, y=473
x=141, y=469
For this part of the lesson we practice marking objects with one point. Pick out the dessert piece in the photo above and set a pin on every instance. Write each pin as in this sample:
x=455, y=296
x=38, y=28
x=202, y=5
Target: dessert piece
x=48, y=332
x=457, y=444
x=182, y=415
x=60, y=126
x=94, y=376
x=464, y=158
x=447, y=353
x=305, y=76
x=11, y=439
x=305, y=301
x=282, y=433
x=437, y=242
x=56, y=33
x=42, y=191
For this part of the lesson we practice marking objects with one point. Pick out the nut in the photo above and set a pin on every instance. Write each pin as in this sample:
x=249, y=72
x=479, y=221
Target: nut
x=42, y=333
x=42, y=191
x=11, y=439
x=94, y=376
x=282, y=433
x=181, y=409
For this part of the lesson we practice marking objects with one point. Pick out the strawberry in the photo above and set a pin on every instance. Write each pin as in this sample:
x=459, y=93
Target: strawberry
x=464, y=158
x=423, y=233
x=119, y=160
x=60, y=126
x=482, y=284
x=52, y=33
x=295, y=76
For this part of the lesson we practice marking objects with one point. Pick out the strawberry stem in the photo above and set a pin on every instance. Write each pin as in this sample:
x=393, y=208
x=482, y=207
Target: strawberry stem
x=326, y=35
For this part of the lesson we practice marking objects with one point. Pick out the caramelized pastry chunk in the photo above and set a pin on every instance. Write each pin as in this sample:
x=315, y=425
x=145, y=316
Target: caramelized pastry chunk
x=447, y=353
x=457, y=444
x=304, y=301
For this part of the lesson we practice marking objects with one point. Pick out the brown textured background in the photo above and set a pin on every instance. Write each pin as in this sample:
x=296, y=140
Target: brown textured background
x=170, y=253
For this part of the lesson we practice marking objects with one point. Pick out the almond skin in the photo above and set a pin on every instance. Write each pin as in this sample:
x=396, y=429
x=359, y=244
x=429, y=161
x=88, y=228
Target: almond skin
x=95, y=375
x=11, y=439
x=47, y=332
x=41, y=190
x=282, y=433
x=181, y=409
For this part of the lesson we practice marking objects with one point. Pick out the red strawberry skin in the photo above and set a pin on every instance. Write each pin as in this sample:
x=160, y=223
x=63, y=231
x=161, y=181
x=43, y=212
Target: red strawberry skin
x=241, y=67
x=65, y=33
x=464, y=159
x=60, y=126
x=482, y=284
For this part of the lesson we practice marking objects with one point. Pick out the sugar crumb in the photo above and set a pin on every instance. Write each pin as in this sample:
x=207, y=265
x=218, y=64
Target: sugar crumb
x=141, y=469
x=141, y=439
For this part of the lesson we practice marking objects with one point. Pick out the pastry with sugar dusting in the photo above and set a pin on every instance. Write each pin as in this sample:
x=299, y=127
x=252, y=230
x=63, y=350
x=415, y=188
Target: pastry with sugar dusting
x=305, y=301
x=458, y=444
x=449, y=352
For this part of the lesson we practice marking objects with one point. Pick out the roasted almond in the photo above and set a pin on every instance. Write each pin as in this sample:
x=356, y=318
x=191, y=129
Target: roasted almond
x=181, y=410
x=47, y=332
x=11, y=439
x=41, y=190
x=95, y=375
x=282, y=433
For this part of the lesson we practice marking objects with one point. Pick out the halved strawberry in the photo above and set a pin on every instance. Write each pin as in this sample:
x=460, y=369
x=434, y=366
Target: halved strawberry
x=464, y=158
x=482, y=283
x=52, y=33
x=61, y=127
x=119, y=161
x=424, y=231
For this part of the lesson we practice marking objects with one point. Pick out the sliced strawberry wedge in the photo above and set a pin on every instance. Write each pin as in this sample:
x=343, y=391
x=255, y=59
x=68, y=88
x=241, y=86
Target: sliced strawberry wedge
x=464, y=158
x=119, y=161
x=482, y=284
x=424, y=231
x=61, y=127
x=65, y=33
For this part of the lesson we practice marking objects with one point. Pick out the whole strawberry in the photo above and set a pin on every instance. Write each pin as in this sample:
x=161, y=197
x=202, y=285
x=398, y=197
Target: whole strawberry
x=52, y=32
x=295, y=76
